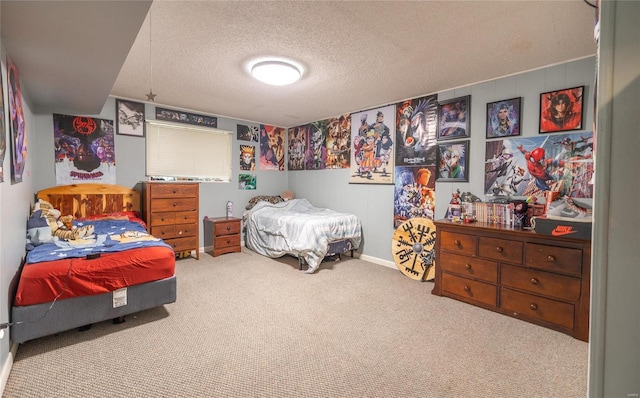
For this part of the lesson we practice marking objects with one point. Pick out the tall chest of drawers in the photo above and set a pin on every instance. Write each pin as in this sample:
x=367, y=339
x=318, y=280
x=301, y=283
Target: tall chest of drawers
x=171, y=213
x=540, y=279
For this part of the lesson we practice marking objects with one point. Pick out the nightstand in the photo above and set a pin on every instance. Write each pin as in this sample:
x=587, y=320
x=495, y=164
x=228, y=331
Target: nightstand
x=226, y=234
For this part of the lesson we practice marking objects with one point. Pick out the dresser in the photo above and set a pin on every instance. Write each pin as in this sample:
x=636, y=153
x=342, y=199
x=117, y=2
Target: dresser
x=537, y=278
x=226, y=234
x=170, y=210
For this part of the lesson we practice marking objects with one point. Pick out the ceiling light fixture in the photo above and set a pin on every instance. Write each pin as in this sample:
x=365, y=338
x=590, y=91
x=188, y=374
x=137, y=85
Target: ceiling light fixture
x=276, y=73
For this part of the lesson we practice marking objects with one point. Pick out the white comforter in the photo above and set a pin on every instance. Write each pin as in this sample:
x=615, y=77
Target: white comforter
x=298, y=228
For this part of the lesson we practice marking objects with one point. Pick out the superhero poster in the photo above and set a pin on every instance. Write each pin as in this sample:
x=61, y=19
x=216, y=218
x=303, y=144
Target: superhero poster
x=315, y=157
x=271, y=147
x=530, y=166
x=84, y=150
x=247, y=157
x=297, y=146
x=17, y=126
x=416, y=128
x=561, y=110
x=372, y=150
x=338, y=142
x=414, y=193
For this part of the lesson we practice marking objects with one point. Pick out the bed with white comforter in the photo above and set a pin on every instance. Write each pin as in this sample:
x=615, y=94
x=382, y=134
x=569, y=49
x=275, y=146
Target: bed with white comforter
x=298, y=228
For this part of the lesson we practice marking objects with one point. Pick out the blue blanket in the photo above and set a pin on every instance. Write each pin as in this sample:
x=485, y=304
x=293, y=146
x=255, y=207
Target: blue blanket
x=109, y=236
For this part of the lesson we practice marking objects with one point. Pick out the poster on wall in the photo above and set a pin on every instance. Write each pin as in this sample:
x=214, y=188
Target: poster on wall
x=247, y=182
x=533, y=165
x=271, y=147
x=372, y=154
x=3, y=133
x=338, y=142
x=247, y=133
x=16, y=125
x=84, y=150
x=247, y=157
x=297, y=146
x=416, y=129
x=316, y=156
x=414, y=193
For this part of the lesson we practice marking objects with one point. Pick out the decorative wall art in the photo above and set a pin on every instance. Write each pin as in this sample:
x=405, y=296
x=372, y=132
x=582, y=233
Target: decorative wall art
x=453, y=160
x=247, y=157
x=338, y=142
x=454, y=117
x=16, y=126
x=130, y=119
x=247, y=133
x=3, y=131
x=561, y=110
x=504, y=118
x=271, y=147
x=533, y=165
x=171, y=115
x=372, y=153
x=297, y=146
x=416, y=129
x=316, y=156
x=247, y=182
x=414, y=193
x=84, y=150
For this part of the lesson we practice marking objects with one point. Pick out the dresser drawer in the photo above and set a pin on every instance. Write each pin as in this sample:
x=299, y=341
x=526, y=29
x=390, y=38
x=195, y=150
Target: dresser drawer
x=174, y=204
x=500, y=249
x=559, y=259
x=174, y=190
x=182, y=244
x=166, y=218
x=537, y=307
x=471, y=267
x=186, y=217
x=458, y=243
x=226, y=227
x=469, y=289
x=541, y=283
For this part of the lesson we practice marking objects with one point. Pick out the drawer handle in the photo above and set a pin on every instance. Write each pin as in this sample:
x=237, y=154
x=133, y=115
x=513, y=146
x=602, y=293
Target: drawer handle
x=534, y=306
x=467, y=288
x=456, y=242
x=534, y=281
x=162, y=218
x=175, y=204
x=175, y=191
x=228, y=228
x=551, y=259
x=499, y=249
x=228, y=241
x=467, y=266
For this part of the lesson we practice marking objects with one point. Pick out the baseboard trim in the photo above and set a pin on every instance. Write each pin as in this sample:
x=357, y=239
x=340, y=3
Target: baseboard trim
x=6, y=367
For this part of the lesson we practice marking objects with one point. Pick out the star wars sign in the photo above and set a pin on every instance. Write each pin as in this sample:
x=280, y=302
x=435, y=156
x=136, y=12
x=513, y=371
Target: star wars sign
x=412, y=248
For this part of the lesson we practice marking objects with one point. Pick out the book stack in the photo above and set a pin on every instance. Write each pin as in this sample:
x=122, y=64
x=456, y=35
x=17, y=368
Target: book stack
x=495, y=213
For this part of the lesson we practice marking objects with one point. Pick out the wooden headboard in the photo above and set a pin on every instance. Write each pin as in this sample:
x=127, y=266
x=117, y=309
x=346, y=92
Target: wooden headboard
x=82, y=200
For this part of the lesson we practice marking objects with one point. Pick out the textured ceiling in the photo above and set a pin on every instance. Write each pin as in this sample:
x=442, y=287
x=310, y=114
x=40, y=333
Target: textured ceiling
x=356, y=54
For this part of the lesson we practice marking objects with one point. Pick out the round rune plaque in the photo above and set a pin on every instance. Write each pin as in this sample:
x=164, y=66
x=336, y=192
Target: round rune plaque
x=412, y=248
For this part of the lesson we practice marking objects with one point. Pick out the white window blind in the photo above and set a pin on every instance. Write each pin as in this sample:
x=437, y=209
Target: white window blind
x=192, y=152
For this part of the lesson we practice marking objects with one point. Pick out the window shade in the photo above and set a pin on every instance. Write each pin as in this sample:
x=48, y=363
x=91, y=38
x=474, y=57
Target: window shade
x=188, y=152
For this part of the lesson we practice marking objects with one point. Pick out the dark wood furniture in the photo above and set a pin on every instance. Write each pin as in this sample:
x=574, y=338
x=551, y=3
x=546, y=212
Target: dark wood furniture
x=226, y=234
x=170, y=210
x=537, y=278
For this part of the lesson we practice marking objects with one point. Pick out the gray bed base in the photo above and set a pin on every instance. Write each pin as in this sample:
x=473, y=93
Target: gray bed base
x=30, y=322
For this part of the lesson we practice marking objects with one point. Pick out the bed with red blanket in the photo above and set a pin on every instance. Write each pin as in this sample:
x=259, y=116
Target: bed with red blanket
x=119, y=270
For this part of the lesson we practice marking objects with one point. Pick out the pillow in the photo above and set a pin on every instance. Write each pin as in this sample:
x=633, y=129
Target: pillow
x=124, y=215
x=266, y=198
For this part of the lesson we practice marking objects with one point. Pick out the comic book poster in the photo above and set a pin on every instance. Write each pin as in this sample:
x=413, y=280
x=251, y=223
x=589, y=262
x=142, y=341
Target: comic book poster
x=338, y=142
x=247, y=133
x=84, y=150
x=316, y=156
x=414, y=193
x=3, y=136
x=416, y=130
x=247, y=157
x=297, y=147
x=372, y=154
x=17, y=126
x=247, y=181
x=271, y=147
x=532, y=165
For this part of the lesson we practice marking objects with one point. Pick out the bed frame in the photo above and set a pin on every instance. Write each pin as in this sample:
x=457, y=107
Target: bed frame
x=82, y=200
x=335, y=249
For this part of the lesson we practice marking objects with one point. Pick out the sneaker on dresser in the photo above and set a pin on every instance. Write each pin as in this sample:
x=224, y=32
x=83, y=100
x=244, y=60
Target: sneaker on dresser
x=566, y=209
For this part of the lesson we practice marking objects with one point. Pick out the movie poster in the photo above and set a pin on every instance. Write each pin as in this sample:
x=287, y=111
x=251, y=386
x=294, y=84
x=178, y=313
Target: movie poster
x=84, y=150
x=416, y=131
x=271, y=147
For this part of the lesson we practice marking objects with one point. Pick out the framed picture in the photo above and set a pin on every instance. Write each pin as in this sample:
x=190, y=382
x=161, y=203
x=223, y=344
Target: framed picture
x=186, y=117
x=453, y=160
x=503, y=118
x=130, y=120
x=453, y=118
x=561, y=110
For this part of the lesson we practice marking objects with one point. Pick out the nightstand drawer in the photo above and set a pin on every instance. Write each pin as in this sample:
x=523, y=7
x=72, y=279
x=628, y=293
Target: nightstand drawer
x=470, y=267
x=553, y=258
x=226, y=227
x=537, y=307
x=540, y=282
x=469, y=289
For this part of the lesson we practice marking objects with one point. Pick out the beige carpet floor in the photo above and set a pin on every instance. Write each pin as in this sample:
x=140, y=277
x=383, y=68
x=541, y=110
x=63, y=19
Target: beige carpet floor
x=248, y=326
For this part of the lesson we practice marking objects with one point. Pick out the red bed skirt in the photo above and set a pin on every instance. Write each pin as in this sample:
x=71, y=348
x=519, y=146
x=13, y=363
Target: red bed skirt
x=74, y=277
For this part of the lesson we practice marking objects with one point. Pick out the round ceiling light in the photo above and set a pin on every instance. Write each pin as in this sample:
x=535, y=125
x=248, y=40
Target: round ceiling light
x=276, y=73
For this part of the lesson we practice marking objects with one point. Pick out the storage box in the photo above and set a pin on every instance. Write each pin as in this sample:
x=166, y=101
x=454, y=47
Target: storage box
x=567, y=229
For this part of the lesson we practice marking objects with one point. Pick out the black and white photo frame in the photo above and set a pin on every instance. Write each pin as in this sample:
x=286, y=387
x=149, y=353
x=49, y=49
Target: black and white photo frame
x=130, y=118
